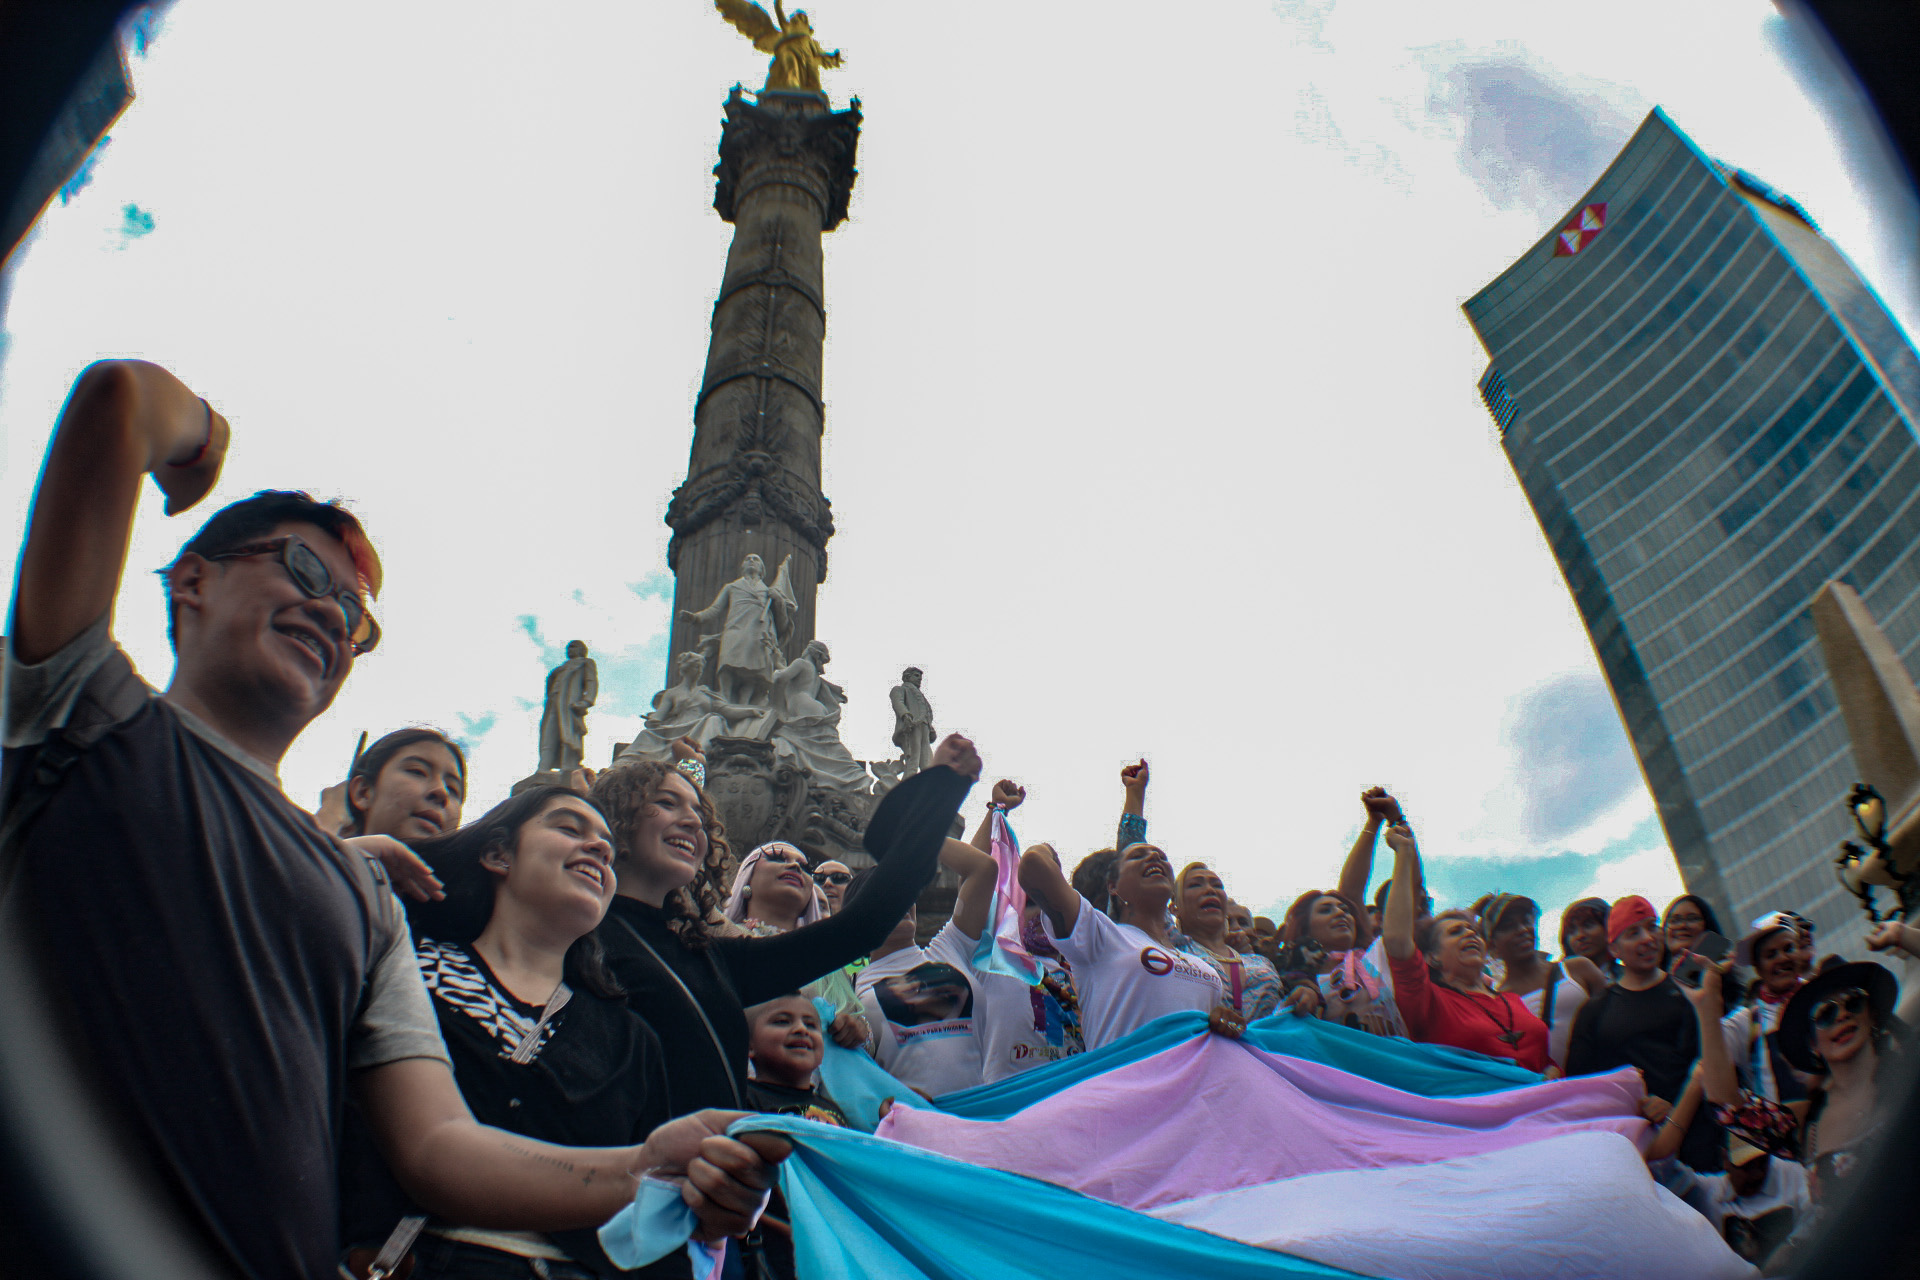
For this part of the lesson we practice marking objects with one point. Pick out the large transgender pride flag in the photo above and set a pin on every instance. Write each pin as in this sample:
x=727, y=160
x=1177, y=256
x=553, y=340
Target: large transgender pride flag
x=1303, y=1150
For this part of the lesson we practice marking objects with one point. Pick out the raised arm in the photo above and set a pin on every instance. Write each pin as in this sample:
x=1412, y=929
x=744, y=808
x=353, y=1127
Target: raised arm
x=1358, y=868
x=1396, y=922
x=123, y=420
x=977, y=872
x=1045, y=883
x=1007, y=795
x=1133, y=809
x=905, y=835
x=471, y=1173
x=1714, y=1068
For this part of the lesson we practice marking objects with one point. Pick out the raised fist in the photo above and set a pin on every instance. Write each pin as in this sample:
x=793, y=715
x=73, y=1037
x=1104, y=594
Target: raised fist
x=1134, y=776
x=957, y=753
x=1008, y=794
x=1381, y=805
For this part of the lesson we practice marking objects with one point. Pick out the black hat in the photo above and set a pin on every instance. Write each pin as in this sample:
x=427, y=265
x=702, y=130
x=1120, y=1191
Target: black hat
x=1796, y=1020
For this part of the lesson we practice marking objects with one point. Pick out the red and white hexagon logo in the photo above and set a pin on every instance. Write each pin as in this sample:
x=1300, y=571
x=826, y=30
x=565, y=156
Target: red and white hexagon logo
x=1579, y=233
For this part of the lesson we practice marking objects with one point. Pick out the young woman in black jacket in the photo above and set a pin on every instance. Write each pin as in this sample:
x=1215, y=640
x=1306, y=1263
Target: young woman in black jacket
x=539, y=1033
x=664, y=936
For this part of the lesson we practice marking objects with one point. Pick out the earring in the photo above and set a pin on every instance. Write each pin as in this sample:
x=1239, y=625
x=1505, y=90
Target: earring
x=746, y=893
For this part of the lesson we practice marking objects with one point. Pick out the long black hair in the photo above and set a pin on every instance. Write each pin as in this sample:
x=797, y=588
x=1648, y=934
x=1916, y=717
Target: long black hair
x=376, y=757
x=463, y=914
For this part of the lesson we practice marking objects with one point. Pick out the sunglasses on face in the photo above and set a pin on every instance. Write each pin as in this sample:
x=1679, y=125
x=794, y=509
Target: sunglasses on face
x=832, y=877
x=1845, y=1005
x=309, y=573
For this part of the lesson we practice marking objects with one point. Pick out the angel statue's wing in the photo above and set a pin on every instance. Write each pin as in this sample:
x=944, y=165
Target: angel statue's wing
x=751, y=21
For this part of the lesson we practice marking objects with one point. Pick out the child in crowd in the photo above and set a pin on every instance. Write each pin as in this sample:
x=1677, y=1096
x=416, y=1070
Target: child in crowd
x=785, y=1045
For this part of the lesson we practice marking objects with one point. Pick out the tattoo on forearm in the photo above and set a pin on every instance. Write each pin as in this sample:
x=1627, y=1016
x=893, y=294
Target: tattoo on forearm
x=566, y=1166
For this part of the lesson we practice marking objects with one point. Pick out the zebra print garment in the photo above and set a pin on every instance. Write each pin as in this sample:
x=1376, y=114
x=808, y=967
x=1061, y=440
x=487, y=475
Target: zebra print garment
x=454, y=978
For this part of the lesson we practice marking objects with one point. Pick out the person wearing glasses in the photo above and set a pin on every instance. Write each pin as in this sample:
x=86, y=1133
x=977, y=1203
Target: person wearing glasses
x=833, y=878
x=774, y=893
x=1839, y=1029
x=228, y=971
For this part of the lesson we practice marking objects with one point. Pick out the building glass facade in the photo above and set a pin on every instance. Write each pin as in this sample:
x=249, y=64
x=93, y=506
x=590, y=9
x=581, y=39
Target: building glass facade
x=1711, y=415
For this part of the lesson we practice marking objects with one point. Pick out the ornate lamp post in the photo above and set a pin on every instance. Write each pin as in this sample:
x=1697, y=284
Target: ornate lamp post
x=1860, y=870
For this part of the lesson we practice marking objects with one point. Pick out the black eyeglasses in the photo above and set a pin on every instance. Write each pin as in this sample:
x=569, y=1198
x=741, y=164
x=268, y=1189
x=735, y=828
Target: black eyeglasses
x=309, y=573
x=832, y=877
x=1844, y=1005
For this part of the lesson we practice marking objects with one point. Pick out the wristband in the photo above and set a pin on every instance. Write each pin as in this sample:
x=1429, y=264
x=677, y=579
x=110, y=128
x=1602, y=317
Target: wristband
x=695, y=770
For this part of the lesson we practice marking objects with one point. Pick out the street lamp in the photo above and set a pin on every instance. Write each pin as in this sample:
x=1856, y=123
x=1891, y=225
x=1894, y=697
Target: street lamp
x=1860, y=870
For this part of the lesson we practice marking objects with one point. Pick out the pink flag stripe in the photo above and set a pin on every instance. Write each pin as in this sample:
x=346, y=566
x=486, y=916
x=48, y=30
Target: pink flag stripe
x=1212, y=1114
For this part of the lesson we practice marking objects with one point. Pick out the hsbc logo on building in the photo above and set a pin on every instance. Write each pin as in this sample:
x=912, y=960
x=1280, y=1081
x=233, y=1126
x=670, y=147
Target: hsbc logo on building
x=1580, y=231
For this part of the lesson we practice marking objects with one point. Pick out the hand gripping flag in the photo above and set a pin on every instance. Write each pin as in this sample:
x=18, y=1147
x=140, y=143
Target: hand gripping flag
x=1000, y=949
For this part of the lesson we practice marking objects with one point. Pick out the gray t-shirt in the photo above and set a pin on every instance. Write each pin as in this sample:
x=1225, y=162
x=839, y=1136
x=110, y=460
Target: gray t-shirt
x=223, y=961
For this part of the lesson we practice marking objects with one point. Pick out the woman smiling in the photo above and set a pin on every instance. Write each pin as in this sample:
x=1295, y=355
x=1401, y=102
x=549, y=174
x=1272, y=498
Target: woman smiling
x=1441, y=986
x=1200, y=907
x=1128, y=968
x=541, y=1039
x=773, y=893
x=665, y=934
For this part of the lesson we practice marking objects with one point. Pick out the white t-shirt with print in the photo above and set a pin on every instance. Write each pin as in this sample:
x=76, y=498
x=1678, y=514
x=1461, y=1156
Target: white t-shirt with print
x=921, y=1006
x=1126, y=979
x=1022, y=1027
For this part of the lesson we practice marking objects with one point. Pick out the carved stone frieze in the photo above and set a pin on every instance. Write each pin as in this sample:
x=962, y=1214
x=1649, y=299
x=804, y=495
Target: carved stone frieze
x=757, y=797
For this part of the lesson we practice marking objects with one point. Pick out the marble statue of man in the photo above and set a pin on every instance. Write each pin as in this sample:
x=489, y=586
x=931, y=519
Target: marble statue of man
x=688, y=709
x=806, y=722
x=571, y=689
x=754, y=619
x=912, y=723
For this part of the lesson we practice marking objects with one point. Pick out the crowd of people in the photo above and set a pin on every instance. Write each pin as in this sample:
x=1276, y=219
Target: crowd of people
x=388, y=1031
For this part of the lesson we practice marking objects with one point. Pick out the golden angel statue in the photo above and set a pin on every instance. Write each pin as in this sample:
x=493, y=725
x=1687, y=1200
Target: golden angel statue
x=797, y=56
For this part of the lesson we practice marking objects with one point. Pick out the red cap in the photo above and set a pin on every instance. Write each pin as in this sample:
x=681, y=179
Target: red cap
x=1627, y=913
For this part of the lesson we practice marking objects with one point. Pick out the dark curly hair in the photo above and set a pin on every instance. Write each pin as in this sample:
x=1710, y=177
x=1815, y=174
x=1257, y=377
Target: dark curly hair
x=693, y=912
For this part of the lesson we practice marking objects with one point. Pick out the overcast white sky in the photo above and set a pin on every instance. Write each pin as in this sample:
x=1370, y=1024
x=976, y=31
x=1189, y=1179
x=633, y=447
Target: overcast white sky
x=1151, y=414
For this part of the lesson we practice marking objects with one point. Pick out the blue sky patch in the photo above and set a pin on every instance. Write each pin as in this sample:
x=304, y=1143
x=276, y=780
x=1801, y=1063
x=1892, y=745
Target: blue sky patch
x=134, y=223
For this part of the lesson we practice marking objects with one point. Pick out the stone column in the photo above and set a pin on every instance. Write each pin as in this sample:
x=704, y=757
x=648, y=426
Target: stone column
x=753, y=480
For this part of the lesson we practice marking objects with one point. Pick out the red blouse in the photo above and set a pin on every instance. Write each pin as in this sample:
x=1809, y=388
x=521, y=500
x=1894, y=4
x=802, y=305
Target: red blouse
x=1440, y=1015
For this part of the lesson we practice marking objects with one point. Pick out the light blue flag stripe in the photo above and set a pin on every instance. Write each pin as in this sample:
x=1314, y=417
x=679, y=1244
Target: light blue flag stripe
x=880, y=1210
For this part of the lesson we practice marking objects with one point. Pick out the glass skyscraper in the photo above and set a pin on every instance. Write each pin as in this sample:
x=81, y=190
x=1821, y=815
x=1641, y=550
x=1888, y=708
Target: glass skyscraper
x=1712, y=416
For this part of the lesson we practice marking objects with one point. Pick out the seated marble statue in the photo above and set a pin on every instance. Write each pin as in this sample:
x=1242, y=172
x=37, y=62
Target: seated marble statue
x=806, y=722
x=689, y=709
